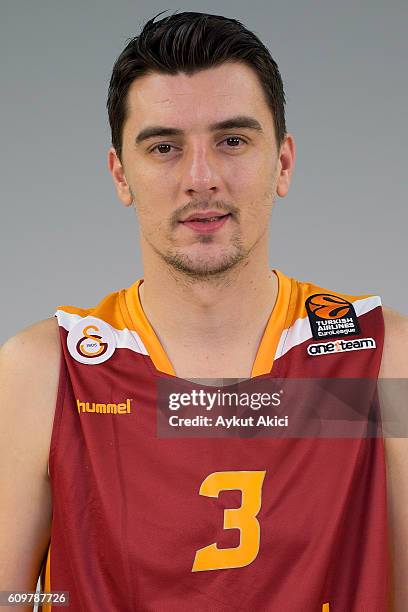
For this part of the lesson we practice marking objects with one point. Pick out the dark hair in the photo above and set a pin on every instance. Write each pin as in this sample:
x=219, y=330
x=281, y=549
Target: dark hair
x=188, y=42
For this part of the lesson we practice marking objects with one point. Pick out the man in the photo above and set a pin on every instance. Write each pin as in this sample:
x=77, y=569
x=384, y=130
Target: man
x=123, y=519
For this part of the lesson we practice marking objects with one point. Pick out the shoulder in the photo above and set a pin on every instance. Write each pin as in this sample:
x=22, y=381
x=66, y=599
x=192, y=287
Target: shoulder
x=29, y=375
x=35, y=348
x=395, y=421
x=395, y=353
x=45, y=331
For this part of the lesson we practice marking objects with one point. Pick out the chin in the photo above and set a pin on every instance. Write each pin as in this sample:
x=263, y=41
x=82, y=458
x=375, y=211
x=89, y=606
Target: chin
x=200, y=266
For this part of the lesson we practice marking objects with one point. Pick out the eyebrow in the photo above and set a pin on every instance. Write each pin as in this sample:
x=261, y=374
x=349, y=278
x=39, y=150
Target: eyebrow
x=240, y=121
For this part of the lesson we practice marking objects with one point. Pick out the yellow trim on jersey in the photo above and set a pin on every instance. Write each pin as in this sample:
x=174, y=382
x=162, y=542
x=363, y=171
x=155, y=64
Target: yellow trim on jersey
x=305, y=290
x=140, y=323
x=123, y=309
x=267, y=347
x=46, y=607
x=109, y=310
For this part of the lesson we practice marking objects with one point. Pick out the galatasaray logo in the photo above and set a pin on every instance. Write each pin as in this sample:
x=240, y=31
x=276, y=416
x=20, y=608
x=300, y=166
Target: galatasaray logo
x=91, y=345
x=91, y=341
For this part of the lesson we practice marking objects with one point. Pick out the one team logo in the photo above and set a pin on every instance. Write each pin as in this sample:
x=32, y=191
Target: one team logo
x=340, y=346
x=331, y=315
x=91, y=341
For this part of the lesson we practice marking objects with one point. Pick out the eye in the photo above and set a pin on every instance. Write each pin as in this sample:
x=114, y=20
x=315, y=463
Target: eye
x=234, y=141
x=162, y=148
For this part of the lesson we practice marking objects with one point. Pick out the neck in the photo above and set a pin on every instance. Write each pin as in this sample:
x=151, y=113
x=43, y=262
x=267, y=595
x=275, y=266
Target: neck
x=221, y=310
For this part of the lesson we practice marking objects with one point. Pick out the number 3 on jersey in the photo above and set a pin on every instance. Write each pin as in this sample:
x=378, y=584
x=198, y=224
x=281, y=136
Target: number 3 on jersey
x=242, y=518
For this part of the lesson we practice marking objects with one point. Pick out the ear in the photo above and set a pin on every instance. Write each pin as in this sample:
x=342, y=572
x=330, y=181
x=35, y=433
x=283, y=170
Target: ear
x=287, y=156
x=118, y=174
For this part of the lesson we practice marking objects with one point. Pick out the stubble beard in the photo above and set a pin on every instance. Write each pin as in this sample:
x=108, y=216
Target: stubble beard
x=207, y=267
x=204, y=265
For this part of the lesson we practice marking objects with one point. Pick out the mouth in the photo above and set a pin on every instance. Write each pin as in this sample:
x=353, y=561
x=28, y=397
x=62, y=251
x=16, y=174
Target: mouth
x=206, y=223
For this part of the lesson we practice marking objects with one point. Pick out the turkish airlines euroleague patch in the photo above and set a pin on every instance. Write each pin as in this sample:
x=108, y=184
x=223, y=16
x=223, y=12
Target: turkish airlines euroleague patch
x=91, y=341
x=331, y=316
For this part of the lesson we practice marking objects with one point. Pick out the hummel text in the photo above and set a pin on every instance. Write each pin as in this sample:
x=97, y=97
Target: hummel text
x=123, y=408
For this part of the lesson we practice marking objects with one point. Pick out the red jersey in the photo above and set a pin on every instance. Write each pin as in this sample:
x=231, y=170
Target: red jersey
x=146, y=523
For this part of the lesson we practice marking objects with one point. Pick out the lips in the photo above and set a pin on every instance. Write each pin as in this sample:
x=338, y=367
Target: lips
x=205, y=223
x=207, y=216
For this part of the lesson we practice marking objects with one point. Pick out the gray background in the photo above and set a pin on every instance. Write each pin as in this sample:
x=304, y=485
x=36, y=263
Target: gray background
x=64, y=237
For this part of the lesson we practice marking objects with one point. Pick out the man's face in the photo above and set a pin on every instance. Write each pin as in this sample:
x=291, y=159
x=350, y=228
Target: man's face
x=181, y=159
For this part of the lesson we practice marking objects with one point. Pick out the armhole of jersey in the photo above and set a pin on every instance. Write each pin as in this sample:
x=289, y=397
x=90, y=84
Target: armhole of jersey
x=379, y=336
x=382, y=334
x=379, y=415
x=62, y=383
x=45, y=575
x=45, y=580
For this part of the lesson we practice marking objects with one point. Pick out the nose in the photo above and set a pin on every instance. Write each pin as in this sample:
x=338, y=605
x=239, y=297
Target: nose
x=200, y=173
